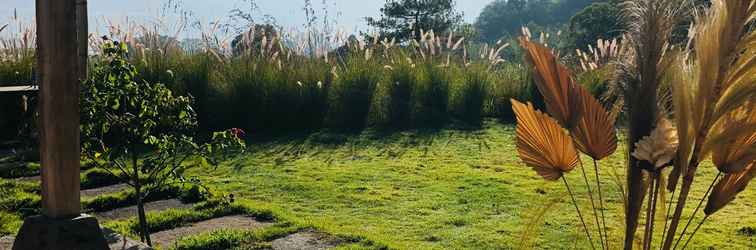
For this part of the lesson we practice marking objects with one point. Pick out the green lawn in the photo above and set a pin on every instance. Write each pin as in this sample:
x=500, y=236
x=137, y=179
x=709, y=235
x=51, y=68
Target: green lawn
x=451, y=189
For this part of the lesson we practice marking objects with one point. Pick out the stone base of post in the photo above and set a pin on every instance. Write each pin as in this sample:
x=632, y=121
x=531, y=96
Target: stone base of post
x=44, y=233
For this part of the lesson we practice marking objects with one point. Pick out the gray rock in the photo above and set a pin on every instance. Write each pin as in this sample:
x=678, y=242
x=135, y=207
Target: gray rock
x=43, y=233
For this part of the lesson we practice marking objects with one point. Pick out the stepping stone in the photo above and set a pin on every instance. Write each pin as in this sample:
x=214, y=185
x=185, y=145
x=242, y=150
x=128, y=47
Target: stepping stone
x=128, y=212
x=116, y=241
x=104, y=190
x=304, y=241
x=168, y=238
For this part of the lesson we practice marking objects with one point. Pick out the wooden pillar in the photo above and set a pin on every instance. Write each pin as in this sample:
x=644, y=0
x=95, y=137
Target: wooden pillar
x=60, y=68
x=61, y=65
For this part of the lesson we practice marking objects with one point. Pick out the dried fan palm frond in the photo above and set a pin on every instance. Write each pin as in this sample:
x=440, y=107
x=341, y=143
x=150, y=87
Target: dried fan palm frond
x=728, y=188
x=660, y=147
x=555, y=83
x=542, y=144
x=594, y=134
x=732, y=141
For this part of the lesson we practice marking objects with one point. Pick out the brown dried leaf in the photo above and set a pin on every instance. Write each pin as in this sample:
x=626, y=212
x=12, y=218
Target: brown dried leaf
x=728, y=188
x=594, y=134
x=542, y=143
x=555, y=83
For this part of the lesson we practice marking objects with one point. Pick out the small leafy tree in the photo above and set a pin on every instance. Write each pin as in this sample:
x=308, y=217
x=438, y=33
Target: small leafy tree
x=140, y=131
x=404, y=19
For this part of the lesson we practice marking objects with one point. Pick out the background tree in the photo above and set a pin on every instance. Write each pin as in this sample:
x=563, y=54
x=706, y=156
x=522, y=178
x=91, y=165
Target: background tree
x=404, y=19
x=140, y=131
x=600, y=20
x=504, y=18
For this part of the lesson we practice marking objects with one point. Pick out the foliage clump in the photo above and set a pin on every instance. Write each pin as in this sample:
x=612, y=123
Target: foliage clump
x=140, y=131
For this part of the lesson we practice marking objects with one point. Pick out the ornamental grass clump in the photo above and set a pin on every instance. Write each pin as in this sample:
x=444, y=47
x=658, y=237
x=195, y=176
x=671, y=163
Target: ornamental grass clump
x=683, y=103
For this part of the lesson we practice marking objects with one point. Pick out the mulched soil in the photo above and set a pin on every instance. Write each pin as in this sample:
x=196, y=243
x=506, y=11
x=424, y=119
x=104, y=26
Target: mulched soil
x=305, y=241
x=127, y=212
x=169, y=237
x=88, y=193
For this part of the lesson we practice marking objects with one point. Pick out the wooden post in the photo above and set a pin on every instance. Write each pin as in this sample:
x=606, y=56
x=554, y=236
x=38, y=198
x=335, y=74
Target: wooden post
x=59, y=68
x=61, y=63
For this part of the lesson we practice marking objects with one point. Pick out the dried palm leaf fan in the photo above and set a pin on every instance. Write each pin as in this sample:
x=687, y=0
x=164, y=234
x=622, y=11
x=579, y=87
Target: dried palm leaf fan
x=547, y=148
x=555, y=83
x=594, y=134
x=591, y=126
x=542, y=144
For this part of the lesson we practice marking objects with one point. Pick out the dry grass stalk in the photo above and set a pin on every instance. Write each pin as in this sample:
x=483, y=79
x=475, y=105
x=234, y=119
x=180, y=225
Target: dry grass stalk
x=651, y=23
x=732, y=140
x=722, y=82
x=605, y=52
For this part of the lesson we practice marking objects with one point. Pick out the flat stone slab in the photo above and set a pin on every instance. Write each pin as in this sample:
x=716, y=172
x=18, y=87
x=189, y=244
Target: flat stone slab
x=168, y=238
x=90, y=193
x=116, y=241
x=42, y=232
x=128, y=212
x=304, y=241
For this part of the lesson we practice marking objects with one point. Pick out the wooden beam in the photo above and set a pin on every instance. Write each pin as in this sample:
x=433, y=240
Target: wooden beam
x=59, y=65
x=27, y=88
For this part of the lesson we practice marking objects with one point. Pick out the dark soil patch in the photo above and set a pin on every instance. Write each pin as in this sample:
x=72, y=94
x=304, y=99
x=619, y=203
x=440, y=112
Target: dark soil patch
x=169, y=237
x=305, y=241
x=127, y=212
x=747, y=231
x=104, y=190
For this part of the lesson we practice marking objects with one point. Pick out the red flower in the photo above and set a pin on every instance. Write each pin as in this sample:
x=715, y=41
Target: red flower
x=237, y=132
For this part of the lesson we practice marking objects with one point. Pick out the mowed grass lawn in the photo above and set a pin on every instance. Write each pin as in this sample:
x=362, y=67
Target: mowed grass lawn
x=444, y=189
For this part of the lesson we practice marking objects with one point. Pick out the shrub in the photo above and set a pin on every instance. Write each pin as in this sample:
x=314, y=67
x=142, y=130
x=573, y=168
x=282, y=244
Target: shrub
x=394, y=97
x=509, y=81
x=95, y=178
x=351, y=96
x=431, y=96
x=471, y=93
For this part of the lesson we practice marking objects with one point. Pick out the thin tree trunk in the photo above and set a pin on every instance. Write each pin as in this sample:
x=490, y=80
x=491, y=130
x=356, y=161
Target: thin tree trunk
x=144, y=230
x=143, y=222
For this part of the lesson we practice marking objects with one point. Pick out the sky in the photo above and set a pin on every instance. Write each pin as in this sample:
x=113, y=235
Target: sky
x=288, y=13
